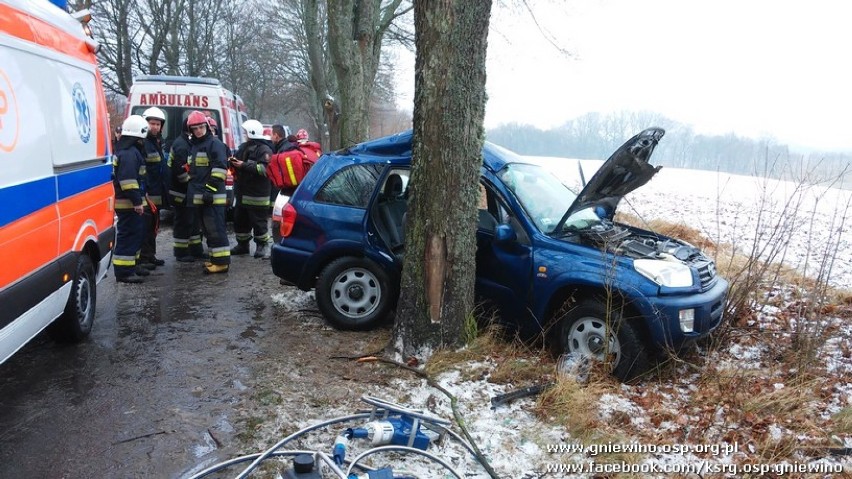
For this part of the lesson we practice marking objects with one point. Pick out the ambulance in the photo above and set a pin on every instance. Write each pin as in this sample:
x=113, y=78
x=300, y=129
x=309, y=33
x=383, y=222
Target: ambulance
x=56, y=196
x=177, y=96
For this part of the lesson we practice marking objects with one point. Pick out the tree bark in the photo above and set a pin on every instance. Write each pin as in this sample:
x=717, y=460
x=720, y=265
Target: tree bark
x=449, y=108
x=355, y=32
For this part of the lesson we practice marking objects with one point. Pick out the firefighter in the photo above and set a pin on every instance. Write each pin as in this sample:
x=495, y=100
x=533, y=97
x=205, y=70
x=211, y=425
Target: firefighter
x=128, y=181
x=155, y=186
x=252, y=190
x=207, y=165
x=186, y=230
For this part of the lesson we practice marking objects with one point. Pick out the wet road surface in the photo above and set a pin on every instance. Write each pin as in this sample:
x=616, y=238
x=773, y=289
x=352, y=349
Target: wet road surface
x=165, y=379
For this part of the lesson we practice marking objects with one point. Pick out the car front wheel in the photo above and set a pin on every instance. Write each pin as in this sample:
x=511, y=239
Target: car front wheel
x=354, y=293
x=587, y=330
x=76, y=321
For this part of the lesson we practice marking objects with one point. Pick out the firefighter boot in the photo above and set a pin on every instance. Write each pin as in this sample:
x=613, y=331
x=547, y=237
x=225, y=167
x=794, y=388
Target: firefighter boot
x=216, y=268
x=241, y=248
x=262, y=251
x=132, y=278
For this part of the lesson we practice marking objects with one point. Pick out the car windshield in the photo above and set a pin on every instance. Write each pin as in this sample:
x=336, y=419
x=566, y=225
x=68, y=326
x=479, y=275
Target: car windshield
x=542, y=195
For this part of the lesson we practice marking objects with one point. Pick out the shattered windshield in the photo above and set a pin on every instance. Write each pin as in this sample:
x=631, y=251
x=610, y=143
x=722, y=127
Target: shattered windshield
x=542, y=195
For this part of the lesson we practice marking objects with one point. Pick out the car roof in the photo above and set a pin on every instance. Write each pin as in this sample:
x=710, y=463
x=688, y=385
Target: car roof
x=396, y=149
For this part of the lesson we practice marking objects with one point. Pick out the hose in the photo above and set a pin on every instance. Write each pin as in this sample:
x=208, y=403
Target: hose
x=453, y=404
x=296, y=434
x=379, y=406
x=411, y=450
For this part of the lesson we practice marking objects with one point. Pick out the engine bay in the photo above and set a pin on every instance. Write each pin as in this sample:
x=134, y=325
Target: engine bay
x=619, y=239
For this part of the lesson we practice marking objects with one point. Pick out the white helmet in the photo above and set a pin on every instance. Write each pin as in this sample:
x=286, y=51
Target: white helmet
x=136, y=126
x=253, y=129
x=154, y=113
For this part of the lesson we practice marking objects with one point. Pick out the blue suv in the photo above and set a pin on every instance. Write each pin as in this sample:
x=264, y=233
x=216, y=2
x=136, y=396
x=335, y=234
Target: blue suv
x=552, y=261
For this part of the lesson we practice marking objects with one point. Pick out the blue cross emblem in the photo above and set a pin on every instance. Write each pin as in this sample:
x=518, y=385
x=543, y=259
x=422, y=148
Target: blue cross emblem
x=82, y=115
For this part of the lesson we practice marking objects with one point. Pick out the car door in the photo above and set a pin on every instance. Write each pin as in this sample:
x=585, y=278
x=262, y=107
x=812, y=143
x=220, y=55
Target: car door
x=503, y=266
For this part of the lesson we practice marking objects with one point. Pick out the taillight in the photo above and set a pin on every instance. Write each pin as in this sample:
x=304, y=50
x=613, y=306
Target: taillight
x=288, y=219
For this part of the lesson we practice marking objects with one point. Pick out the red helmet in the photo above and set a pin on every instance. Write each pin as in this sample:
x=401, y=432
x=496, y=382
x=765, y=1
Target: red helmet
x=302, y=134
x=196, y=118
x=212, y=122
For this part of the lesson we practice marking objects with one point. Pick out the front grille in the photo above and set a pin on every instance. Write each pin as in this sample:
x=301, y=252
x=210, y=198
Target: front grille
x=706, y=273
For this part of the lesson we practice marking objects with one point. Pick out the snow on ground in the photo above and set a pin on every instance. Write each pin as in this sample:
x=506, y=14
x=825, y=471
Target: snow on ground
x=671, y=419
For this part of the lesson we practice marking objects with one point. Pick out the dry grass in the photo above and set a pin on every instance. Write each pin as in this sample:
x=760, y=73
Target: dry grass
x=511, y=360
x=842, y=421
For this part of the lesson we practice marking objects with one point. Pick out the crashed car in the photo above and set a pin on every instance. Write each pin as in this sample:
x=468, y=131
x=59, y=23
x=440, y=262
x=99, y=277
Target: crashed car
x=553, y=261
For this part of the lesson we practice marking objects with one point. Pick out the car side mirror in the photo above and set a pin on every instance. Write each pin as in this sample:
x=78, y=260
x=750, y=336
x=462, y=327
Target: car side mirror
x=504, y=233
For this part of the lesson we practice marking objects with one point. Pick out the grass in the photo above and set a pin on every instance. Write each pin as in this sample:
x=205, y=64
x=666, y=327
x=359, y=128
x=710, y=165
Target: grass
x=842, y=421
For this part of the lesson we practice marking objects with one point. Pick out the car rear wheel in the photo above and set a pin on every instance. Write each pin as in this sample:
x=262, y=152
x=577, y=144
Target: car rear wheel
x=587, y=330
x=75, y=323
x=354, y=293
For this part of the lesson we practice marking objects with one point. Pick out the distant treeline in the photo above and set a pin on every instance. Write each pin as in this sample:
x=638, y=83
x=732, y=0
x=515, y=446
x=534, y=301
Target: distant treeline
x=596, y=136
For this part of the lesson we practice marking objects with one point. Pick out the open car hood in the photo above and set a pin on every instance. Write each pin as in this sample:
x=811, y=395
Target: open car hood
x=624, y=171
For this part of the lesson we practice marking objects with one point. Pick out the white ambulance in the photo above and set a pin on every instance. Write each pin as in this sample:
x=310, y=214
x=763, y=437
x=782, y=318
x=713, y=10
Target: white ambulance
x=57, y=218
x=177, y=96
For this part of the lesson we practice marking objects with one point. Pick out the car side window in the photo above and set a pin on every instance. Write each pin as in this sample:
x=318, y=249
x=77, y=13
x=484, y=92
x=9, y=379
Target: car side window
x=493, y=211
x=351, y=186
x=491, y=204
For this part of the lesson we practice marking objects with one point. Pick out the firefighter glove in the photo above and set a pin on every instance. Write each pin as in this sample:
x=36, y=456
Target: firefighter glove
x=207, y=198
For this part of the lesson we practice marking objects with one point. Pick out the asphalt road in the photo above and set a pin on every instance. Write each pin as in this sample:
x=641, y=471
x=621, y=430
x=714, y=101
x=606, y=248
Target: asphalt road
x=163, y=384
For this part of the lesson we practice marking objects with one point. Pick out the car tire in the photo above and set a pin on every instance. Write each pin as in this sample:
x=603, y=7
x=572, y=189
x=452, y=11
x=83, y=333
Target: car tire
x=75, y=323
x=582, y=329
x=354, y=293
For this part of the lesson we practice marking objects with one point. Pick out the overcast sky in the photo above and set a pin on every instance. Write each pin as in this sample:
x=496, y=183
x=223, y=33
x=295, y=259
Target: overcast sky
x=755, y=67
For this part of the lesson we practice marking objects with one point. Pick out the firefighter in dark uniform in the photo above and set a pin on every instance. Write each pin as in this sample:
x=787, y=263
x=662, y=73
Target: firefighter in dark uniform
x=207, y=162
x=128, y=181
x=186, y=229
x=155, y=186
x=252, y=189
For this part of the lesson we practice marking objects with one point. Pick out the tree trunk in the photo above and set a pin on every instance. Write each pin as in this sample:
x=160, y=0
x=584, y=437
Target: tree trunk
x=315, y=40
x=449, y=108
x=355, y=32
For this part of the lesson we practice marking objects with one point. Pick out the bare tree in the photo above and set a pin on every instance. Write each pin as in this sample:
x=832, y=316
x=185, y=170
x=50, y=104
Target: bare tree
x=115, y=25
x=449, y=102
x=356, y=29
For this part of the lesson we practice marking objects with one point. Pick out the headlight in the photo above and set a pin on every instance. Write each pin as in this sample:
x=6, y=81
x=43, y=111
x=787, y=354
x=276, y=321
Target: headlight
x=664, y=273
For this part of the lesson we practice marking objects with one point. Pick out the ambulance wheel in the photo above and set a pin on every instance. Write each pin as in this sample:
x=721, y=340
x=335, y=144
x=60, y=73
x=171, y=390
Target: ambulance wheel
x=354, y=293
x=75, y=323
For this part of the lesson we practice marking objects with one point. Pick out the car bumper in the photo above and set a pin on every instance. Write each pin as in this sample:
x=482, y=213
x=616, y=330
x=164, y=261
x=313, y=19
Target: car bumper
x=289, y=263
x=708, y=308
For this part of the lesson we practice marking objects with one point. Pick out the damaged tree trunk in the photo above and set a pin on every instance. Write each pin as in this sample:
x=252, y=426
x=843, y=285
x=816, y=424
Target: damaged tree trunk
x=449, y=108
